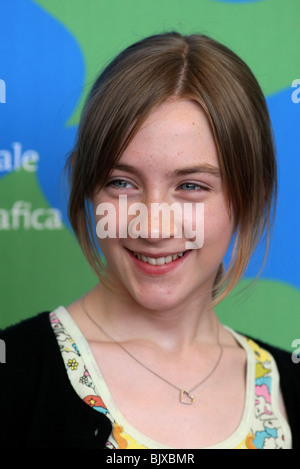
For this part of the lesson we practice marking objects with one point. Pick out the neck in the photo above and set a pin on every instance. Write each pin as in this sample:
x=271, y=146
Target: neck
x=174, y=329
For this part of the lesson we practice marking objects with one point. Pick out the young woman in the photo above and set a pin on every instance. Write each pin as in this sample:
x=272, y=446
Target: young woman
x=142, y=361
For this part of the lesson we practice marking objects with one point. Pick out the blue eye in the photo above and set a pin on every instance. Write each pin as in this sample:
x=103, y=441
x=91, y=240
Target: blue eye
x=120, y=184
x=190, y=186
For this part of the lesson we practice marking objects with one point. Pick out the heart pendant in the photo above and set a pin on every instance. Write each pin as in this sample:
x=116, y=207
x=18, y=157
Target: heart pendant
x=186, y=397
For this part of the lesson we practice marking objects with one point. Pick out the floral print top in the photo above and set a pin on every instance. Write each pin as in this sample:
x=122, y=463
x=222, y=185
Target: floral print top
x=262, y=425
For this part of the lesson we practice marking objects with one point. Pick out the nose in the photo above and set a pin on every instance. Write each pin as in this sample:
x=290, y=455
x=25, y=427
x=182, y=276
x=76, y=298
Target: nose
x=158, y=220
x=164, y=220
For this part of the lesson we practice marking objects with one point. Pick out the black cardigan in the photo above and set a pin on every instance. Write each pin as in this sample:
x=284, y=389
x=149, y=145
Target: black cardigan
x=39, y=407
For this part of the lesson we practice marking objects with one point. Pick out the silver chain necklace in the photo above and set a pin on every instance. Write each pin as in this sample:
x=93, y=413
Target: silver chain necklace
x=185, y=396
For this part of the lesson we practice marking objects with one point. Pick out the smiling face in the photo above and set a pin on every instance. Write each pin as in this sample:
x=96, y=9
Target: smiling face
x=173, y=160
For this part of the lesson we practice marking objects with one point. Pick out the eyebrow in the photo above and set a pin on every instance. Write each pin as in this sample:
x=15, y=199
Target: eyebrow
x=202, y=168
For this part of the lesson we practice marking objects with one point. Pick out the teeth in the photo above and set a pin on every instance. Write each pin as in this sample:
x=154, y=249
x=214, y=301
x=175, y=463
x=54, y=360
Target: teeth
x=158, y=260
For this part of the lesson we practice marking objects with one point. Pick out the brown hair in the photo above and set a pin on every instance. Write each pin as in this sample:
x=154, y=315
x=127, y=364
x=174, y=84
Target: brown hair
x=141, y=78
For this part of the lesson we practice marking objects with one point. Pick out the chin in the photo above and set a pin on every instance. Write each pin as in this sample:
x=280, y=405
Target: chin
x=162, y=300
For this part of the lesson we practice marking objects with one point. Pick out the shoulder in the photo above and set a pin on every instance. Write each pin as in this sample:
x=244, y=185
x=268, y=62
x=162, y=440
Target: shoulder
x=283, y=358
x=289, y=378
x=25, y=339
x=29, y=325
x=37, y=402
x=26, y=347
x=288, y=368
x=289, y=371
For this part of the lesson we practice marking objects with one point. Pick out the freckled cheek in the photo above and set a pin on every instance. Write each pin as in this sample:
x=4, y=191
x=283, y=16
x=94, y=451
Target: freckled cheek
x=105, y=228
x=212, y=221
x=113, y=221
x=110, y=250
x=218, y=230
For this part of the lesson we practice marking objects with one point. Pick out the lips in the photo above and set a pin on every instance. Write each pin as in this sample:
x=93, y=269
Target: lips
x=158, y=260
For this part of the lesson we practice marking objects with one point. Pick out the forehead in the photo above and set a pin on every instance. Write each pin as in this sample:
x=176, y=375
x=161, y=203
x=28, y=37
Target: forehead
x=176, y=130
